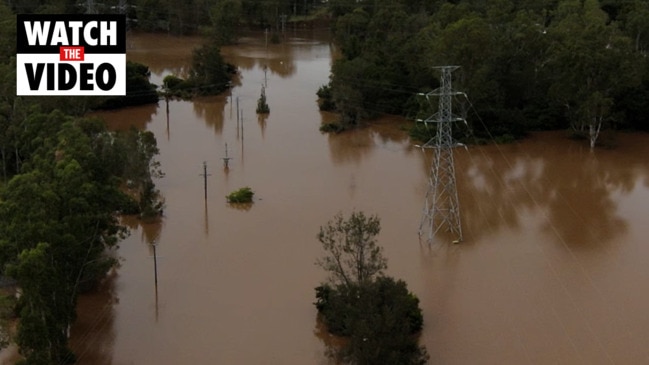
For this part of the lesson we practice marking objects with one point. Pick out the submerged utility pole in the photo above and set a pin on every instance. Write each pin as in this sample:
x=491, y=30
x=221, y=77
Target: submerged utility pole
x=237, y=113
x=155, y=267
x=226, y=159
x=205, y=175
x=442, y=207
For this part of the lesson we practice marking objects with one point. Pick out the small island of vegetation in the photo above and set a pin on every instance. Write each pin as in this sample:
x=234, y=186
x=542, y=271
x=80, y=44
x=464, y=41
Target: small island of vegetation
x=241, y=196
x=377, y=315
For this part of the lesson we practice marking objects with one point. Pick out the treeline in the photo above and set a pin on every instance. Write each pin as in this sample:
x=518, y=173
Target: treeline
x=525, y=65
x=64, y=181
x=59, y=219
x=183, y=17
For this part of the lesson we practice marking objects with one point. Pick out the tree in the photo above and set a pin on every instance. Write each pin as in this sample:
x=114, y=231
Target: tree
x=59, y=220
x=353, y=257
x=594, y=61
x=262, y=105
x=225, y=16
x=209, y=73
x=377, y=314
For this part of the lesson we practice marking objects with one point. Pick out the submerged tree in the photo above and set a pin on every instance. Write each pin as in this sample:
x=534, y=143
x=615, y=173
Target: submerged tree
x=262, y=106
x=376, y=313
x=353, y=256
x=209, y=74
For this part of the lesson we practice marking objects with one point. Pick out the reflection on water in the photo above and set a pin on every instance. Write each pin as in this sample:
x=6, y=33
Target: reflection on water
x=355, y=145
x=124, y=119
x=211, y=110
x=502, y=184
x=552, y=269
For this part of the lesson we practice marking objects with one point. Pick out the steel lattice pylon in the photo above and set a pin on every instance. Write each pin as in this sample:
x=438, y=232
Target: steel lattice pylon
x=442, y=207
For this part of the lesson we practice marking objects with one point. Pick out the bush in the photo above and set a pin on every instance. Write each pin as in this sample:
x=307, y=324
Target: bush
x=325, y=99
x=379, y=320
x=333, y=127
x=378, y=315
x=324, y=92
x=243, y=195
x=326, y=105
x=342, y=305
x=172, y=82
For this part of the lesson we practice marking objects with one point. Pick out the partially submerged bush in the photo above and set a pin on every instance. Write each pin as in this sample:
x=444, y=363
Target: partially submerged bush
x=243, y=195
x=333, y=127
x=325, y=98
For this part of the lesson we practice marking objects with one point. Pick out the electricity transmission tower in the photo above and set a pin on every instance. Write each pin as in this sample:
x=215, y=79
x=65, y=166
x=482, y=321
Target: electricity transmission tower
x=442, y=208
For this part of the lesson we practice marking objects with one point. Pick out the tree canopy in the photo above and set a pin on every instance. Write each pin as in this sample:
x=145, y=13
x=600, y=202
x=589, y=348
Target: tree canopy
x=377, y=314
x=58, y=219
x=525, y=65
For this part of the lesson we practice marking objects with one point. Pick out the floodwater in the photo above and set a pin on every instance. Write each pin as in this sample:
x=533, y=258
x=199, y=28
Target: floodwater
x=552, y=269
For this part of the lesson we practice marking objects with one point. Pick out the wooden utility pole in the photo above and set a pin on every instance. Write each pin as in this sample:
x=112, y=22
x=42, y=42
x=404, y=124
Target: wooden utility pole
x=265, y=76
x=155, y=267
x=205, y=175
x=237, y=112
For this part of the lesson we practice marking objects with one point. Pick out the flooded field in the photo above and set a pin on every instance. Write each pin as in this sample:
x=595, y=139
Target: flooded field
x=552, y=269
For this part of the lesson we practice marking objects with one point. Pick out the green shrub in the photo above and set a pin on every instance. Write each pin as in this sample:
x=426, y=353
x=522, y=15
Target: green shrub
x=172, y=82
x=324, y=92
x=379, y=320
x=243, y=195
x=325, y=98
x=326, y=105
x=333, y=127
x=341, y=306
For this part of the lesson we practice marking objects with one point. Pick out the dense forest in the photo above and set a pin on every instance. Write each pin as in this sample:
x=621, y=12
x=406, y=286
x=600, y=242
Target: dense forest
x=64, y=181
x=524, y=65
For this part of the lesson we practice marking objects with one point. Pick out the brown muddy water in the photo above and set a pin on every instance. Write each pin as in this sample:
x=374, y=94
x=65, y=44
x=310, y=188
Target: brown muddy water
x=553, y=269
